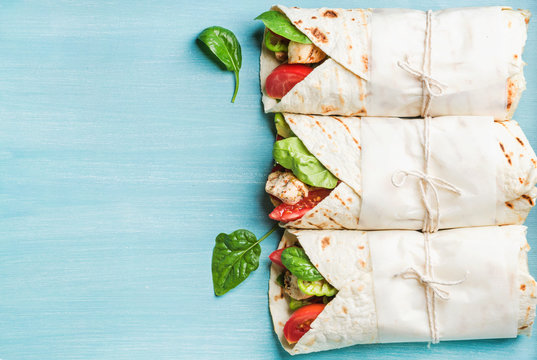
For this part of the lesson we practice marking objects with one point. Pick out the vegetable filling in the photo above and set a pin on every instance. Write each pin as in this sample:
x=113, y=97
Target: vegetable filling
x=294, y=50
x=299, y=181
x=307, y=291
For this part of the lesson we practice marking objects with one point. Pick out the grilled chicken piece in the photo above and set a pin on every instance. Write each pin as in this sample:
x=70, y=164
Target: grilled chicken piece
x=304, y=53
x=280, y=55
x=286, y=187
x=290, y=286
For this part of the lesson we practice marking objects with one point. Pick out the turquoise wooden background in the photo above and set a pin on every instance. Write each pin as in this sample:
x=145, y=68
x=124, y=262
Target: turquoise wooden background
x=121, y=158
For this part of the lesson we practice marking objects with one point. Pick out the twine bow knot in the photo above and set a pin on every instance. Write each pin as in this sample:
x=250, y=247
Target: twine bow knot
x=424, y=75
x=425, y=180
x=430, y=283
x=427, y=80
x=432, y=287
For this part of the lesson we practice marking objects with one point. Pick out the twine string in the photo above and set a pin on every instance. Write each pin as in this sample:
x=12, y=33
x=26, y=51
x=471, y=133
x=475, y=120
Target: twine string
x=431, y=88
x=432, y=288
x=430, y=223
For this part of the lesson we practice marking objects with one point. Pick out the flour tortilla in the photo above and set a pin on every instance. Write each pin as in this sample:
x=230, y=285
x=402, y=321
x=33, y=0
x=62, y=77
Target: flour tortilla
x=335, y=141
x=343, y=258
x=340, y=86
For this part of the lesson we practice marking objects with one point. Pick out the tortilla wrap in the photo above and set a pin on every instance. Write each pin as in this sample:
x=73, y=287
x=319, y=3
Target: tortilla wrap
x=344, y=258
x=482, y=69
x=336, y=143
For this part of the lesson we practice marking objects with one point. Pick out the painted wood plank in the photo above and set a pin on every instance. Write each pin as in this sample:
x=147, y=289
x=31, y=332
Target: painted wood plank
x=121, y=158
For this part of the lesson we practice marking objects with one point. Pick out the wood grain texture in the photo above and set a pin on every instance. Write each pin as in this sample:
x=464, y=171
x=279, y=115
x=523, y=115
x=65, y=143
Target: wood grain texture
x=121, y=159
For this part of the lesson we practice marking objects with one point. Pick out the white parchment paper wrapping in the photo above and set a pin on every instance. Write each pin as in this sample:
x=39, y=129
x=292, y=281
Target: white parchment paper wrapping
x=462, y=153
x=467, y=55
x=485, y=305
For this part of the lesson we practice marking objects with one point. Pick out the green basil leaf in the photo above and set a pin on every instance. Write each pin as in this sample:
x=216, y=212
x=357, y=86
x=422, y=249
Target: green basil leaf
x=298, y=263
x=279, y=24
x=282, y=128
x=225, y=46
x=235, y=256
x=292, y=154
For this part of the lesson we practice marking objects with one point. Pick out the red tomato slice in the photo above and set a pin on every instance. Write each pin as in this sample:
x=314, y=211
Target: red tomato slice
x=286, y=212
x=299, y=323
x=282, y=79
x=276, y=257
x=277, y=167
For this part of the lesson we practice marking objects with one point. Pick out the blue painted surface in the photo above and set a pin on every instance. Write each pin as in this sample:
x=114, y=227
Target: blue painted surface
x=121, y=158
